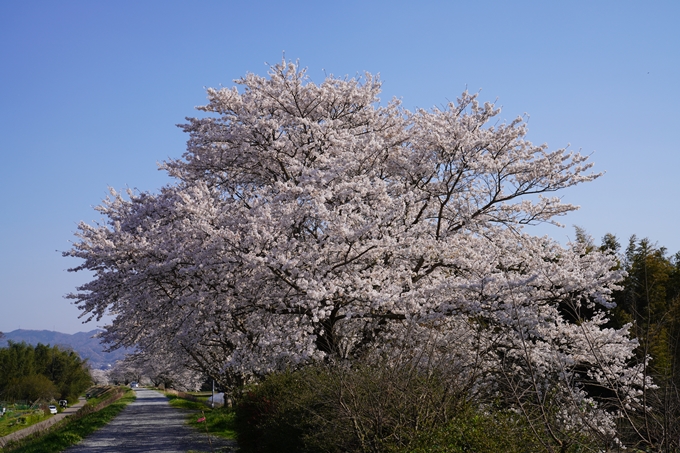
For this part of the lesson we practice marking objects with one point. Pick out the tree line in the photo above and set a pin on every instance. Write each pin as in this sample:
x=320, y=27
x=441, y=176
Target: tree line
x=41, y=372
x=649, y=302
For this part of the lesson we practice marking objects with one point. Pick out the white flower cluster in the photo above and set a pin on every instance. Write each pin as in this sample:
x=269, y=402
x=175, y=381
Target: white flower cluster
x=309, y=221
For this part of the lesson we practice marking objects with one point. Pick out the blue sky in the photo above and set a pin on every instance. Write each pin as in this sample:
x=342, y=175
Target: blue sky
x=91, y=92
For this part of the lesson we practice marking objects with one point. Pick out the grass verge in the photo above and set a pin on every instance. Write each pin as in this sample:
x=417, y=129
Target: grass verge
x=71, y=430
x=20, y=419
x=218, y=421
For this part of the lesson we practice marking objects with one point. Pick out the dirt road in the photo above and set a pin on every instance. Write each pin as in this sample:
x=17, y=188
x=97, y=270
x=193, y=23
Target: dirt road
x=150, y=424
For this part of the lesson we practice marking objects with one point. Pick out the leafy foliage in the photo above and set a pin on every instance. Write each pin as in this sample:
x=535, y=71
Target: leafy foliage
x=359, y=410
x=41, y=372
x=650, y=301
x=86, y=344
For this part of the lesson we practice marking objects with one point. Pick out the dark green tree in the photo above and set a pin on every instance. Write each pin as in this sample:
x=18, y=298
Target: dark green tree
x=650, y=302
x=41, y=372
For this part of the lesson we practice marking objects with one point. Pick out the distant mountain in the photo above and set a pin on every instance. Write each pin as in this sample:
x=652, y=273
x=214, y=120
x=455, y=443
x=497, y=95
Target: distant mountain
x=83, y=343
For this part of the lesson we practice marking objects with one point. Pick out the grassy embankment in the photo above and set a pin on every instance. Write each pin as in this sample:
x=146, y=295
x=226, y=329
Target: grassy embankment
x=98, y=411
x=218, y=421
x=19, y=418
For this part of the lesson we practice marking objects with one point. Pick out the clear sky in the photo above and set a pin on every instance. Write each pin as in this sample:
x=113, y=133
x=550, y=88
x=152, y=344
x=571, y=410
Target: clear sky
x=90, y=92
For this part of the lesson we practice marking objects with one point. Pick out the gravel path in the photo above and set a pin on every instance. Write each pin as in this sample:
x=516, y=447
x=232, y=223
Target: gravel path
x=150, y=424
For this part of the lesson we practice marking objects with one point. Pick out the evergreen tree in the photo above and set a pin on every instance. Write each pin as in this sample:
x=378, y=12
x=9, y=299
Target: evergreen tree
x=649, y=301
x=41, y=372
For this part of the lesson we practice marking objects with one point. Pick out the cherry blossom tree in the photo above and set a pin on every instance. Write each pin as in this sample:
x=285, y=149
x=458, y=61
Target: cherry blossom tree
x=99, y=377
x=312, y=222
x=164, y=368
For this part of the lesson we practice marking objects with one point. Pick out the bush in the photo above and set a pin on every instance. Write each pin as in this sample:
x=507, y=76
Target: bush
x=279, y=414
x=476, y=431
x=371, y=409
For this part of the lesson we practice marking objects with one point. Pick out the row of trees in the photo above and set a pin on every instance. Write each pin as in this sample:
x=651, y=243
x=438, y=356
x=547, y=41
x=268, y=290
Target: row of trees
x=649, y=301
x=41, y=372
x=312, y=224
x=157, y=369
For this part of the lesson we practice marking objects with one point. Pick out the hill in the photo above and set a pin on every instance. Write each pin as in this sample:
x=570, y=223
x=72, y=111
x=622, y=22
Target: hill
x=84, y=343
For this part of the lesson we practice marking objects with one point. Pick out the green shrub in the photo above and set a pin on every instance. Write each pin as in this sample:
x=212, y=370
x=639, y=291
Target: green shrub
x=381, y=409
x=477, y=431
x=274, y=415
x=323, y=409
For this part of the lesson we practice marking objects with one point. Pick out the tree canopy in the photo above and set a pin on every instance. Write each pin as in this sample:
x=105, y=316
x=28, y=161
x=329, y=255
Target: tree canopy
x=311, y=222
x=41, y=372
x=649, y=300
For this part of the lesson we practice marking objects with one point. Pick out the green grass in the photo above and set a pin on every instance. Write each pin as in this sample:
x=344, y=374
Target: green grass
x=72, y=431
x=181, y=403
x=99, y=394
x=218, y=421
x=20, y=419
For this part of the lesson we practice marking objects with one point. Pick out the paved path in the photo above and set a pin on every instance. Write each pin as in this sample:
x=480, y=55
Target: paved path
x=16, y=435
x=150, y=424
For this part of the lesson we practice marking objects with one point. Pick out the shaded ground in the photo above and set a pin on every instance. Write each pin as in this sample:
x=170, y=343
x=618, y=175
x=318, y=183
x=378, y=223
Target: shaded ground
x=150, y=424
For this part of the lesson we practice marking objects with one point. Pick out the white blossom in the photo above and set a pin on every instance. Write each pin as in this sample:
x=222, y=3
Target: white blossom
x=310, y=222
